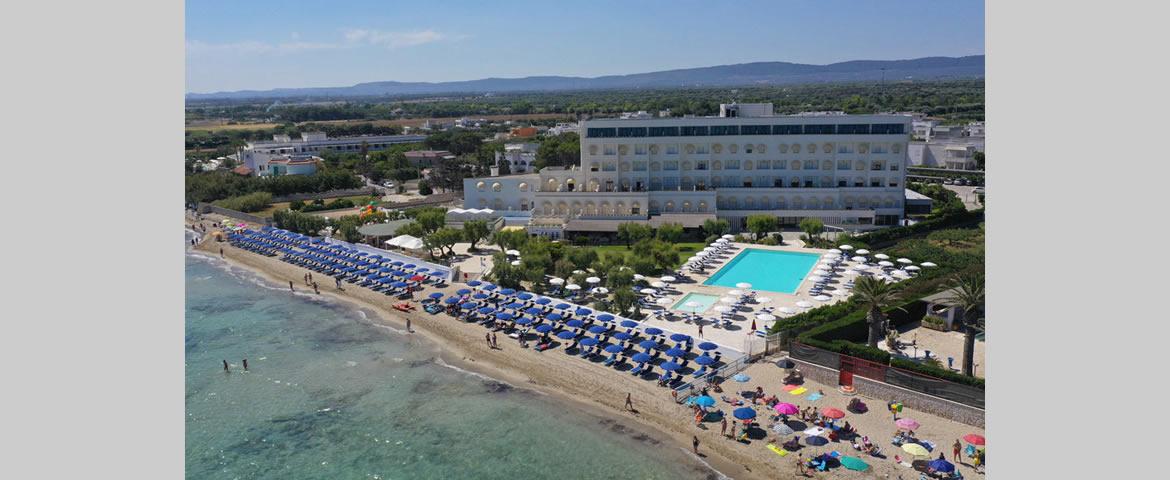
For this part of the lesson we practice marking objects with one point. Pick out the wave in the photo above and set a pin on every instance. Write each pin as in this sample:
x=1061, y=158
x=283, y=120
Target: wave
x=721, y=476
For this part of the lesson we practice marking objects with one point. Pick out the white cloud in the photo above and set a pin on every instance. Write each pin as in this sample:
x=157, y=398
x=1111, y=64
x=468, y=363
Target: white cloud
x=257, y=48
x=397, y=39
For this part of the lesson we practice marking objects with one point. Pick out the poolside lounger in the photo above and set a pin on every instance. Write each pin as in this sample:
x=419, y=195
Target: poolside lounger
x=637, y=369
x=700, y=372
x=609, y=361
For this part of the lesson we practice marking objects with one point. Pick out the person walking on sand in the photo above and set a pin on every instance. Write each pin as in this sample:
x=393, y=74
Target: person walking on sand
x=220, y=252
x=695, y=444
x=723, y=427
x=488, y=337
x=956, y=449
x=495, y=344
x=245, y=364
x=290, y=287
x=408, y=325
x=700, y=330
x=338, y=281
x=315, y=289
x=629, y=402
x=225, y=366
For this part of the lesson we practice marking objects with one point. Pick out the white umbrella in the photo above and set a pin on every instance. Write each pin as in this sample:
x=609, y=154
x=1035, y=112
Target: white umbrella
x=639, y=276
x=721, y=241
x=816, y=278
x=695, y=259
x=765, y=317
x=803, y=304
x=649, y=291
x=728, y=300
x=735, y=293
x=900, y=273
x=846, y=247
x=764, y=300
x=886, y=263
x=830, y=256
x=515, y=262
x=929, y=264
x=834, y=251
x=692, y=304
x=858, y=259
x=592, y=280
x=578, y=272
x=724, y=309
x=861, y=268
x=862, y=252
x=912, y=267
x=601, y=290
x=664, y=301
x=851, y=272
x=513, y=253
x=717, y=243
x=707, y=250
x=557, y=281
x=823, y=298
x=658, y=284
x=821, y=271
x=814, y=431
x=668, y=279
x=572, y=286
x=905, y=261
x=881, y=256
x=729, y=237
x=743, y=285
x=786, y=310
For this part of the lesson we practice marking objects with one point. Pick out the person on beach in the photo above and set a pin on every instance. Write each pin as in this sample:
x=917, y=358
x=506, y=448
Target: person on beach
x=488, y=338
x=220, y=252
x=338, y=280
x=695, y=443
x=699, y=414
x=408, y=325
x=245, y=364
x=290, y=286
x=495, y=344
x=629, y=402
x=800, y=465
x=956, y=449
x=700, y=330
x=723, y=427
x=225, y=366
x=315, y=289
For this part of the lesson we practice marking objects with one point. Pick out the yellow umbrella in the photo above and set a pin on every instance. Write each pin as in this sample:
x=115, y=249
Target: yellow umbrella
x=915, y=449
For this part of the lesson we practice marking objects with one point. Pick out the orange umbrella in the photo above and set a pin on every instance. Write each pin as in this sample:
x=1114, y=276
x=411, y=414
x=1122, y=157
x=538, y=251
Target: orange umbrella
x=974, y=439
x=833, y=413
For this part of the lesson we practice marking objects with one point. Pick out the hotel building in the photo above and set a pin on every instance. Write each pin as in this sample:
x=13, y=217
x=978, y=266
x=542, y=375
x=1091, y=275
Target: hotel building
x=847, y=170
x=256, y=154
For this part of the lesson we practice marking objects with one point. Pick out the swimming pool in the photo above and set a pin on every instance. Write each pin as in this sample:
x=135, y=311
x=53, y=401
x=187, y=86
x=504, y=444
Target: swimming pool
x=768, y=270
x=705, y=301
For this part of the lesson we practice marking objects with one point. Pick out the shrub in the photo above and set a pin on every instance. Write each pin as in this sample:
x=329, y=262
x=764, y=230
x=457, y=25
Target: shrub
x=251, y=202
x=296, y=205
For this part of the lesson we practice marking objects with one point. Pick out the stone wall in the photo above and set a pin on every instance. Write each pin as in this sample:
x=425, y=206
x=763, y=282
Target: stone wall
x=886, y=392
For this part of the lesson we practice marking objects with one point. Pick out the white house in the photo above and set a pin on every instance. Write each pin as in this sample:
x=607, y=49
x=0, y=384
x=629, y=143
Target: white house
x=315, y=143
x=520, y=156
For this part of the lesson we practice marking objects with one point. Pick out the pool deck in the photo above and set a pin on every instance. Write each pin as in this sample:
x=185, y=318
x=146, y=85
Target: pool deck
x=739, y=334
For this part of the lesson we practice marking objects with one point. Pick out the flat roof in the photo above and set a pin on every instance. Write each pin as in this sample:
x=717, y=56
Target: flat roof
x=382, y=229
x=912, y=195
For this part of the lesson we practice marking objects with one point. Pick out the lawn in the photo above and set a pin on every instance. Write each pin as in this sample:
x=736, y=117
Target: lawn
x=686, y=250
x=359, y=200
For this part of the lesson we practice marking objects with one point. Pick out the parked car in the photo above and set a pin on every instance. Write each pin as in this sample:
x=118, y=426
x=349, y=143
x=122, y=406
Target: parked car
x=388, y=184
x=961, y=181
x=978, y=191
x=949, y=181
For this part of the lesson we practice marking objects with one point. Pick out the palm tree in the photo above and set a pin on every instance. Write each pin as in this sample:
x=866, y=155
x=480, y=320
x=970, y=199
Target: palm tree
x=968, y=295
x=875, y=295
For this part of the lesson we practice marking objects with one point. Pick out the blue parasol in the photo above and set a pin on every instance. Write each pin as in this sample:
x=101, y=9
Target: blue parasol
x=670, y=366
x=744, y=413
x=708, y=346
x=940, y=465
x=741, y=377
x=589, y=341
x=543, y=301
x=575, y=323
x=452, y=300
x=583, y=311
x=562, y=306
x=679, y=337
x=676, y=352
x=468, y=305
x=653, y=331
x=598, y=329
x=503, y=315
x=436, y=295
x=554, y=317
x=489, y=287
x=704, y=360
x=544, y=328
x=524, y=296
x=524, y=321
x=463, y=291
x=566, y=335
x=486, y=310
x=640, y=357
x=515, y=305
x=507, y=291
x=622, y=336
x=629, y=324
x=474, y=283
x=648, y=344
x=605, y=317
x=480, y=296
x=533, y=311
x=611, y=348
x=705, y=401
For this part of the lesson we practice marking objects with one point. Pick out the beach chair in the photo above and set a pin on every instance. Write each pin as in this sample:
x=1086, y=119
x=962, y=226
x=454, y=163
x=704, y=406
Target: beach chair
x=637, y=369
x=700, y=372
x=609, y=361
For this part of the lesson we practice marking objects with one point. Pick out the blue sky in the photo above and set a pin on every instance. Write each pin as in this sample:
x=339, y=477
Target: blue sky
x=262, y=44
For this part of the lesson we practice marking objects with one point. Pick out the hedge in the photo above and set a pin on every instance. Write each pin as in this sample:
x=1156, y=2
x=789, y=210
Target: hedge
x=879, y=238
x=936, y=372
x=251, y=202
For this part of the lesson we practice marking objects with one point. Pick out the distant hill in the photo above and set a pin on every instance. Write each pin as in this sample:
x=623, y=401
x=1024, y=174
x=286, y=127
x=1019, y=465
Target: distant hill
x=759, y=73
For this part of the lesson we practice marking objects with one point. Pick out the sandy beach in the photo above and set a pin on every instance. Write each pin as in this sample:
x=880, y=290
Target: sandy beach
x=593, y=387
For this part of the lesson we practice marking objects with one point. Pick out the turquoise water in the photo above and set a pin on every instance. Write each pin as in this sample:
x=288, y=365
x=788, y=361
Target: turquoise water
x=332, y=396
x=768, y=270
x=704, y=299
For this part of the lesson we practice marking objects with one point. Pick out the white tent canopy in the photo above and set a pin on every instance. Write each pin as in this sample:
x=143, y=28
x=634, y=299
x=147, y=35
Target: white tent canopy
x=406, y=241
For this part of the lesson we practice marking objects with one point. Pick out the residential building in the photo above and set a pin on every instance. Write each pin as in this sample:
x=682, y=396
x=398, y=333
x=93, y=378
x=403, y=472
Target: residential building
x=427, y=158
x=316, y=143
x=847, y=170
x=292, y=165
x=520, y=157
x=562, y=128
x=524, y=132
x=956, y=153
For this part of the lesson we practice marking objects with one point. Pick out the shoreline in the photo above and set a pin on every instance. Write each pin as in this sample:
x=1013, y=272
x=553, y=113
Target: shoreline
x=598, y=394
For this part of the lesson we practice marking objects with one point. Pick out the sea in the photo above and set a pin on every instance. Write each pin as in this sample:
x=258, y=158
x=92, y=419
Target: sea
x=330, y=394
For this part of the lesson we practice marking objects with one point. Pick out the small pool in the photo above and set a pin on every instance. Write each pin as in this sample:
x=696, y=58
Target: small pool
x=768, y=270
x=704, y=300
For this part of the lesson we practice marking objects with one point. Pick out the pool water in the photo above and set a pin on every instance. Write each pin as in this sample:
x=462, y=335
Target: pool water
x=705, y=300
x=768, y=270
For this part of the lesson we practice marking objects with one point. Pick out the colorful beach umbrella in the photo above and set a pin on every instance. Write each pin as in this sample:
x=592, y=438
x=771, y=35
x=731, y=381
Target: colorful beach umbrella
x=915, y=449
x=786, y=409
x=833, y=413
x=782, y=429
x=741, y=377
x=744, y=413
x=941, y=465
x=907, y=424
x=854, y=463
x=974, y=439
x=705, y=401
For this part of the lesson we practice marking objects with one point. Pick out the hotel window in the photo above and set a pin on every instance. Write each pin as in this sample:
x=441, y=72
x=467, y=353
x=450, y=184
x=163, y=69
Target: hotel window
x=875, y=182
x=627, y=132
x=601, y=132
x=809, y=183
x=893, y=167
x=670, y=165
x=810, y=165
x=794, y=183
x=763, y=165
x=888, y=129
x=725, y=130
x=796, y=164
x=756, y=130
x=609, y=167
x=842, y=183
x=663, y=131
x=787, y=129
x=639, y=166
x=858, y=182
x=640, y=149
x=702, y=150
x=610, y=150
x=732, y=165
x=893, y=183
x=593, y=167
x=672, y=149
x=819, y=129
x=778, y=182
x=844, y=165
x=693, y=131
x=700, y=165
x=860, y=129
x=747, y=148
x=845, y=148
x=879, y=148
x=876, y=166
x=781, y=165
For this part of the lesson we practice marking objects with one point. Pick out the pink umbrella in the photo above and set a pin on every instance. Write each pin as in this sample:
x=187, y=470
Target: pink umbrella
x=907, y=424
x=786, y=409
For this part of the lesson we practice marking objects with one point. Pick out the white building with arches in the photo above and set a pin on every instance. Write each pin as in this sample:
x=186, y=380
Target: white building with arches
x=847, y=170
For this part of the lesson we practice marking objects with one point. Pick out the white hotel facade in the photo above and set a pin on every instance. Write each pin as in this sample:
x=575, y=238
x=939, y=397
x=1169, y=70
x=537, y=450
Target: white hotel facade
x=847, y=170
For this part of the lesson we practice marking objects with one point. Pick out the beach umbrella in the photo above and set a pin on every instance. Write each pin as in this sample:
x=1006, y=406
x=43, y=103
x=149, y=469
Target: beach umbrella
x=974, y=439
x=728, y=237
x=653, y=331
x=735, y=293
x=668, y=279
x=886, y=263
x=524, y=321
x=480, y=296
x=556, y=281
x=907, y=424
x=543, y=301
x=513, y=253
x=676, y=352
x=556, y=317
x=507, y=291
x=474, y=283
x=858, y=259
x=468, y=305
x=452, y=300
x=658, y=284
x=639, y=277
x=706, y=346
x=803, y=304
x=596, y=329
x=679, y=337
x=765, y=317
x=764, y=300
x=648, y=291
x=853, y=463
x=928, y=264
x=463, y=291
x=503, y=315
x=489, y=287
x=601, y=290
x=583, y=311
x=566, y=335
x=605, y=317
x=486, y=310
x=814, y=431
x=834, y=251
x=846, y=247
x=524, y=296
x=705, y=401
x=575, y=323
x=544, y=328
x=912, y=268
x=915, y=449
x=592, y=280
x=743, y=285
x=862, y=251
x=833, y=413
x=648, y=344
x=611, y=348
x=728, y=300
x=533, y=311
x=782, y=429
x=741, y=377
x=816, y=441
x=514, y=306
x=881, y=256
x=589, y=341
x=572, y=286
x=640, y=357
x=622, y=336
x=670, y=366
x=724, y=309
x=664, y=301
x=904, y=261
x=744, y=413
x=704, y=360
x=436, y=295
x=786, y=409
x=941, y=465
x=629, y=324
x=823, y=298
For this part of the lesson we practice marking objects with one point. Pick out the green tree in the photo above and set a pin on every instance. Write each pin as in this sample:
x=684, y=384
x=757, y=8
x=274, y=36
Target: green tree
x=561, y=150
x=474, y=231
x=618, y=278
x=509, y=239
x=716, y=227
x=875, y=295
x=762, y=224
x=446, y=238
x=980, y=160
x=968, y=294
x=413, y=229
x=631, y=232
x=623, y=299
x=424, y=187
x=431, y=220
x=504, y=273
x=813, y=227
x=582, y=258
x=670, y=232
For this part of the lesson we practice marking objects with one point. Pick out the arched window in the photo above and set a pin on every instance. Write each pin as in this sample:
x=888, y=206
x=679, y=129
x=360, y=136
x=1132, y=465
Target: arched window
x=523, y=186
x=480, y=186
x=497, y=187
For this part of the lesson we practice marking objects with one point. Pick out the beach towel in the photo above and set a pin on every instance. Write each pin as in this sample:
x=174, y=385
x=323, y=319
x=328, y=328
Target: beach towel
x=798, y=391
x=779, y=451
x=814, y=397
x=789, y=388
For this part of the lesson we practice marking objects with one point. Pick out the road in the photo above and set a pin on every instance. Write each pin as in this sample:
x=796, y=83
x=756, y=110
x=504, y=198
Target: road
x=966, y=194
